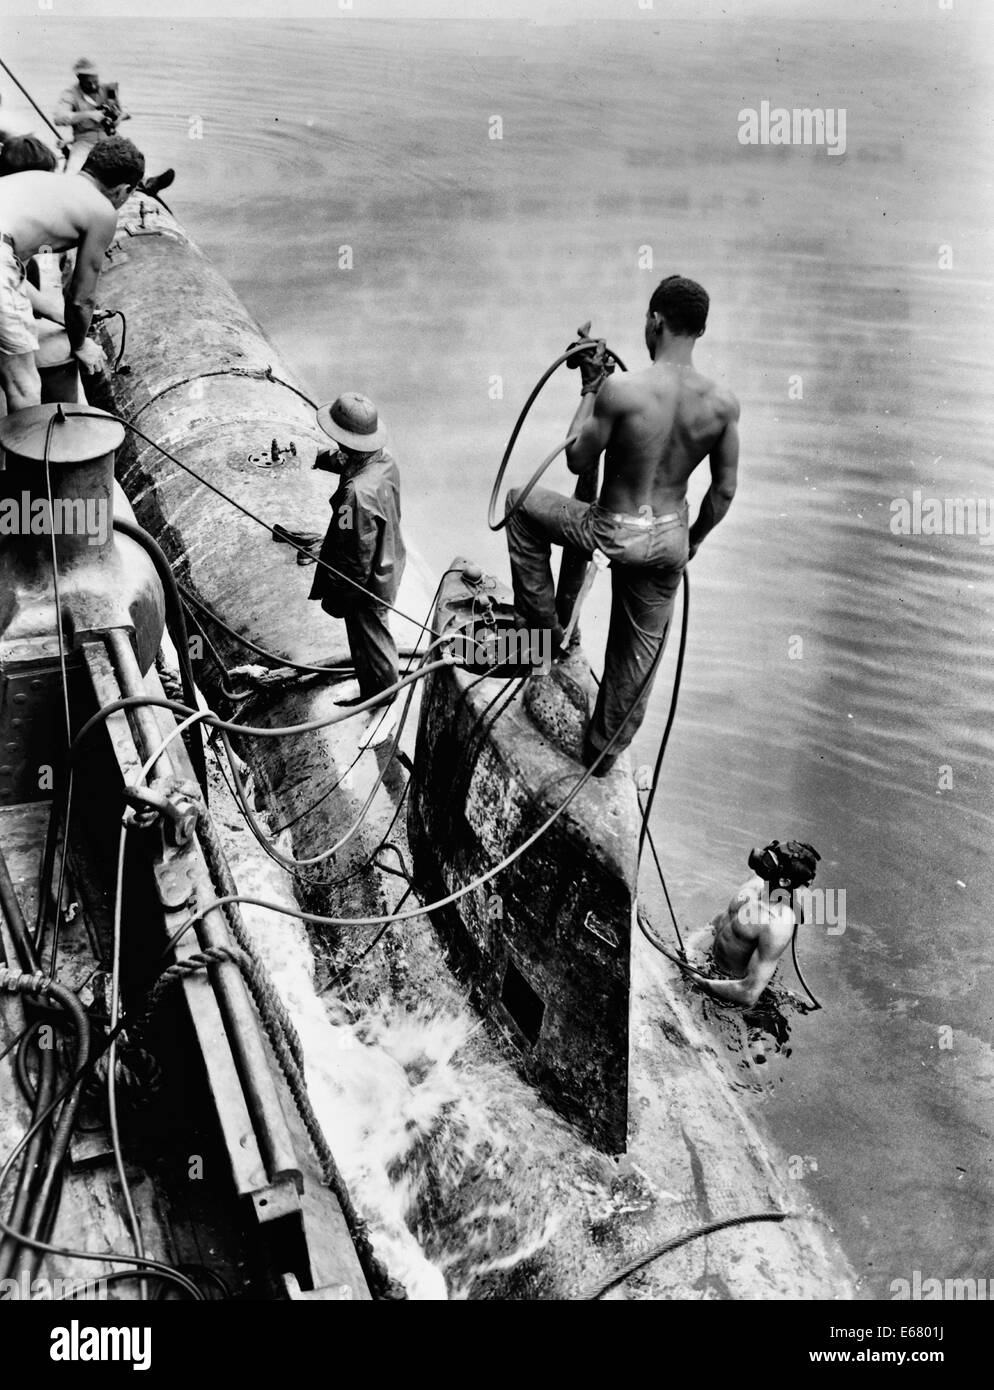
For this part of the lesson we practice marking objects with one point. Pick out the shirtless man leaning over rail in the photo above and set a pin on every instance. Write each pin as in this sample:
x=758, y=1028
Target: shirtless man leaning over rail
x=654, y=427
x=58, y=211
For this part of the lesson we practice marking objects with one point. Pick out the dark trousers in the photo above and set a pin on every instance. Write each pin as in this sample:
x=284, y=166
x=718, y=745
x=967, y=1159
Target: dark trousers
x=647, y=563
x=374, y=652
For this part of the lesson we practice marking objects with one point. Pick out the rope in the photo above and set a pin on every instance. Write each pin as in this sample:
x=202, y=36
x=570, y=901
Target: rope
x=289, y=1055
x=263, y=991
x=212, y=487
x=253, y=374
x=289, y=1052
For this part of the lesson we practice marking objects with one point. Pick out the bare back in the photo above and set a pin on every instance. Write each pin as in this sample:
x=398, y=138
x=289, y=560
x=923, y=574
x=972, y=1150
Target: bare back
x=56, y=211
x=663, y=422
x=750, y=922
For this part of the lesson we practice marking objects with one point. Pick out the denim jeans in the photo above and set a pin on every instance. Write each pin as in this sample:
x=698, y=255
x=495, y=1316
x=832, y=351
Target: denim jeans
x=647, y=563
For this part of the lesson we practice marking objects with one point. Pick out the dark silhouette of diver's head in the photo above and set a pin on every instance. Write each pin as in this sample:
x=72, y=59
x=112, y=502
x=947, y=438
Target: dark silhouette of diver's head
x=23, y=152
x=792, y=865
x=678, y=307
x=117, y=165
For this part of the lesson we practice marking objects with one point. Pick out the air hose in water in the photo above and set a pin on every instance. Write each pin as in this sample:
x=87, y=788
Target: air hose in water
x=658, y=1251
x=793, y=952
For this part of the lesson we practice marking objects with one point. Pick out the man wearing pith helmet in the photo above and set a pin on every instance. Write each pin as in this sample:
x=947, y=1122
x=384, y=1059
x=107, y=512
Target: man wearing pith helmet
x=363, y=543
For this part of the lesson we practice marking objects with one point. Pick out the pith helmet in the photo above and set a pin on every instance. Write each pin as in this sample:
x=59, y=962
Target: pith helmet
x=352, y=420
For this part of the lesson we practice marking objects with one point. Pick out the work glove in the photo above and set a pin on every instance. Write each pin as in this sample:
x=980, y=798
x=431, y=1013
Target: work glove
x=594, y=366
x=328, y=461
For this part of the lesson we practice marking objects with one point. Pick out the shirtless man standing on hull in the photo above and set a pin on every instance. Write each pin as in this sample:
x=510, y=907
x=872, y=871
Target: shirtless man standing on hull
x=58, y=211
x=654, y=427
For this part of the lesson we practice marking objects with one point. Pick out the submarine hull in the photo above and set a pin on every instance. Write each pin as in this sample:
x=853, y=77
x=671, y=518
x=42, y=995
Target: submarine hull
x=548, y=950
x=205, y=384
x=546, y=944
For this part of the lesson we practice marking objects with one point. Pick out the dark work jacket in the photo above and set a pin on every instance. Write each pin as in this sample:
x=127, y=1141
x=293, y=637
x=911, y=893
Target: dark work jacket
x=363, y=539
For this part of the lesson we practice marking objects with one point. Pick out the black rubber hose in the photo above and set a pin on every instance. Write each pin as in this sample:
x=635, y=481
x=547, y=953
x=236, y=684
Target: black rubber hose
x=24, y=1206
x=118, y=313
x=46, y=885
x=575, y=351
x=674, y=697
x=80, y=1021
x=793, y=951
x=658, y=1251
x=234, y=696
x=14, y=917
x=87, y=1288
x=27, y=1089
x=274, y=657
x=176, y=623
x=40, y=1201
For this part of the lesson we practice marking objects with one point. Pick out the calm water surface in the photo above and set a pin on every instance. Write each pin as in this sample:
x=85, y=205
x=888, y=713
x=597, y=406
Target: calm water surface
x=839, y=678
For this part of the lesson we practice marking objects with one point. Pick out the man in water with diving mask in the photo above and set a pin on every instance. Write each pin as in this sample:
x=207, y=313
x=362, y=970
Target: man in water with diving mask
x=756, y=927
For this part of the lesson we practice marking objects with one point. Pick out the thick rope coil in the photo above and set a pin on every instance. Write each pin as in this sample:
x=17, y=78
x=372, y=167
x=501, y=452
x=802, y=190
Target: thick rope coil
x=385, y=1287
x=170, y=681
x=267, y=1000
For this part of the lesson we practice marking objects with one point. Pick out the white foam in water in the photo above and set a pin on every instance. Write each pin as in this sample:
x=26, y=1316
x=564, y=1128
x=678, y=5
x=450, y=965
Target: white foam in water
x=357, y=1092
x=405, y=1122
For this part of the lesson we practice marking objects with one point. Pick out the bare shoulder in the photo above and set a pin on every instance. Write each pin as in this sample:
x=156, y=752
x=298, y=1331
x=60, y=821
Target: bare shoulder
x=88, y=199
x=92, y=213
x=625, y=391
x=618, y=394
x=774, y=937
x=726, y=403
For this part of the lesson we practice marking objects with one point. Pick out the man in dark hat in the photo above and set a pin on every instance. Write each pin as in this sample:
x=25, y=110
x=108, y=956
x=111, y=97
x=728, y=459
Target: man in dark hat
x=363, y=543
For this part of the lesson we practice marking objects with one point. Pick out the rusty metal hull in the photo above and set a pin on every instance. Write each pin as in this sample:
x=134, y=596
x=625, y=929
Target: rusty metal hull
x=546, y=944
